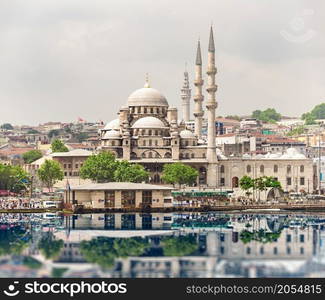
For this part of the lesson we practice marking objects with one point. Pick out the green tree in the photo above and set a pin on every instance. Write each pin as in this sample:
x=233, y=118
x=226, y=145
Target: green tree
x=246, y=183
x=13, y=178
x=13, y=241
x=7, y=126
x=103, y=251
x=269, y=115
x=31, y=156
x=50, y=172
x=179, y=173
x=127, y=172
x=179, y=246
x=32, y=131
x=58, y=146
x=296, y=131
x=81, y=136
x=100, y=167
x=50, y=247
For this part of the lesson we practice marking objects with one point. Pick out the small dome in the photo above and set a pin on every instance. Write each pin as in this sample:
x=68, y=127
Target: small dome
x=147, y=97
x=112, y=134
x=113, y=125
x=149, y=122
x=187, y=134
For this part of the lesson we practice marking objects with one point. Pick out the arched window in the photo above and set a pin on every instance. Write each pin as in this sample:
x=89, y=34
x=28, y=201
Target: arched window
x=248, y=169
x=302, y=168
x=133, y=155
x=262, y=168
x=168, y=155
x=143, y=155
x=187, y=155
x=192, y=155
x=181, y=155
x=222, y=169
x=275, y=168
x=288, y=169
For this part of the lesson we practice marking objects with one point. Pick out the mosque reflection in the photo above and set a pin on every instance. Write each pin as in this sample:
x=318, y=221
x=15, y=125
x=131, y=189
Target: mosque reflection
x=179, y=245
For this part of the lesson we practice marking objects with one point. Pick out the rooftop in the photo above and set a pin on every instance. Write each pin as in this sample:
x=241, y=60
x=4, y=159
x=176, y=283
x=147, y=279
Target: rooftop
x=119, y=186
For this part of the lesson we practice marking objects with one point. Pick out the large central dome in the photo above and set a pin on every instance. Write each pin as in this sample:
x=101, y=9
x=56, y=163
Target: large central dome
x=147, y=96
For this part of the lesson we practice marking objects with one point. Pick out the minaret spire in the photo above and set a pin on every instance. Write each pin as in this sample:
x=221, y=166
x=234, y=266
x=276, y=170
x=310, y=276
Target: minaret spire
x=186, y=96
x=198, y=98
x=211, y=108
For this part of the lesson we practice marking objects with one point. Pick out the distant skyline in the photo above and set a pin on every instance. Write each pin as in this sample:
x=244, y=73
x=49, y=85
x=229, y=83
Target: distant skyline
x=64, y=59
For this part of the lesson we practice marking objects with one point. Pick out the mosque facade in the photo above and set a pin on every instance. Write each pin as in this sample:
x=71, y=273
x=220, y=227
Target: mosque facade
x=148, y=131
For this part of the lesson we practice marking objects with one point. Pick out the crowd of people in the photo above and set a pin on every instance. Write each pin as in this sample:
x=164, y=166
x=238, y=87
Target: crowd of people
x=19, y=203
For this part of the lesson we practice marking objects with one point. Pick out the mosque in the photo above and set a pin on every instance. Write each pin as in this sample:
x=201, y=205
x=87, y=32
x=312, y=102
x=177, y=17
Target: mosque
x=148, y=132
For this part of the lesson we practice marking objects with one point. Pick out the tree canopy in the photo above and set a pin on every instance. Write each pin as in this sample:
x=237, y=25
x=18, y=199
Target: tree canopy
x=318, y=112
x=50, y=172
x=179, y=173
x=260, y=183
x=269, y=115
x=126, y=172
x=13, y=241
x=179, y=246
x=103, y=167
x=296, y=131
x=50, y=247
x=99, y=167
x=103, y=251
x=13, y=178
x=58, y=146
x=7, y=126
x=31, y=156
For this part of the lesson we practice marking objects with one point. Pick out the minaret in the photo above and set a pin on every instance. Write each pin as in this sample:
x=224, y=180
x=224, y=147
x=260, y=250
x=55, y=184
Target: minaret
x=186, y=96
x=198, y=98
x=211, y=110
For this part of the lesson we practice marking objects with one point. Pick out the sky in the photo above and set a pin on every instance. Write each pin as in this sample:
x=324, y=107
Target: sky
x=64, y=59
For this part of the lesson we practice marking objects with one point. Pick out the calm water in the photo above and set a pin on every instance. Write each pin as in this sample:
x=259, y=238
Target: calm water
x=162, y=245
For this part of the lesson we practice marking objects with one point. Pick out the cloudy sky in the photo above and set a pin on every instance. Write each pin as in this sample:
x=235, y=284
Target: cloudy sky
x=64, y=59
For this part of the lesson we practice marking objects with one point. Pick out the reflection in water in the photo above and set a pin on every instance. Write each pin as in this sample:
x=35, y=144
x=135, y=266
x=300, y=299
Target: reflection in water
x=162, y=245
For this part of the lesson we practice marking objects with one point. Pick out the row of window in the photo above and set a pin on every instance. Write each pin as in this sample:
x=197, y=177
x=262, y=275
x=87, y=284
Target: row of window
x=71, y=173
x=275, y=250
x=275, y=168
x=150, y=132
x=128, y=198
x=146, y=110
x=69, y=166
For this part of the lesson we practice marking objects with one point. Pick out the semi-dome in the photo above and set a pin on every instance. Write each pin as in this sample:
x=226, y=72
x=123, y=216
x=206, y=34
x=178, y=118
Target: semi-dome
x=148, y=122
x=112, y=134
x=147, y=96
x=187, y=134
x=113, y=125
